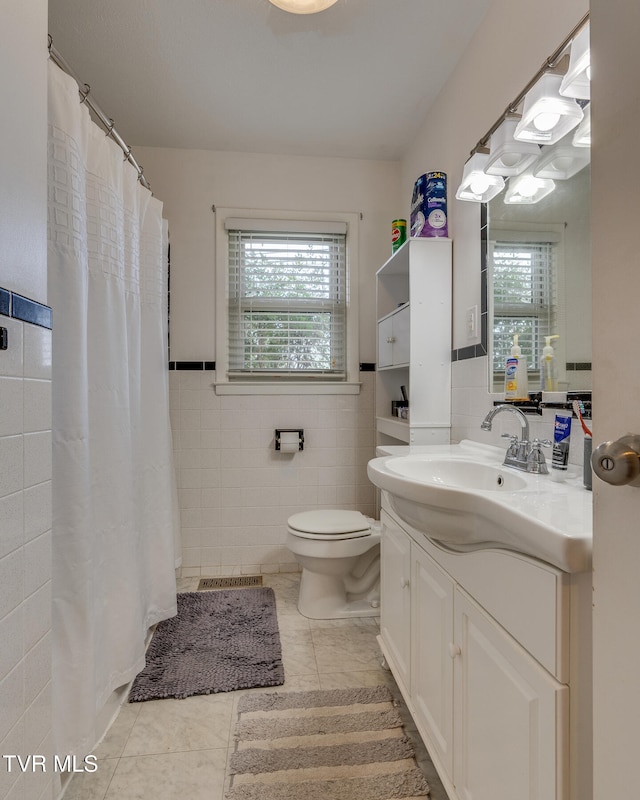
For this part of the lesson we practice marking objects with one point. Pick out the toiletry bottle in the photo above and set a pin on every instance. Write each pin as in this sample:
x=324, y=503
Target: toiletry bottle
x=516, y=380
x=548, y=367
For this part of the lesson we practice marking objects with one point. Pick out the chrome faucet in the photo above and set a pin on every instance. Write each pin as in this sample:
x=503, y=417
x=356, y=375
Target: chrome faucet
x=521, y=453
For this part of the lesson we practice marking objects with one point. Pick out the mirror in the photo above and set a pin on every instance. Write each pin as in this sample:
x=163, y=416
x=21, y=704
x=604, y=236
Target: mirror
x=519, y=239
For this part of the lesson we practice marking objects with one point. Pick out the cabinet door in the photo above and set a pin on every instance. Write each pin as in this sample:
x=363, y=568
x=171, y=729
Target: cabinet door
x=511, y=715
x=432, y=654
x=401, y=336
x=385, y=342
x=393, y=339
x=395, y=600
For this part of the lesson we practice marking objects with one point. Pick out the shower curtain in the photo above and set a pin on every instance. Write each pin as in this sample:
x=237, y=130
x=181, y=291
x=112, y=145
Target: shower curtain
x=114, y=495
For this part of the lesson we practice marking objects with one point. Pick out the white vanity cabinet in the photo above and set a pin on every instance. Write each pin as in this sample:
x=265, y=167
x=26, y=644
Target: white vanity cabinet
x=487, y=667
x=413, y=311
x=511, y=716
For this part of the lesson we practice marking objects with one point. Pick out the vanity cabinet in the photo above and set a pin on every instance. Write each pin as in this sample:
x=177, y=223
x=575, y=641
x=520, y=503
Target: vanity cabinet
x=485, y=649
x=413, y=307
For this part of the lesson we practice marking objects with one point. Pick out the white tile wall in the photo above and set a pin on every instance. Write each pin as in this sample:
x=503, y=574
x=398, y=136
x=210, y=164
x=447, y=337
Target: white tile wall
x=25, y=555
x=236, y=492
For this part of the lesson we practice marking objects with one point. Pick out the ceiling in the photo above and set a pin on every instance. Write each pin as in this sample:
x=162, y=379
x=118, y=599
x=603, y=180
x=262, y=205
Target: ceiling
x=354, y=81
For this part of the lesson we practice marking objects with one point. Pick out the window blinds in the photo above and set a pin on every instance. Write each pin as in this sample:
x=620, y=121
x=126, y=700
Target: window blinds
x=524, y=298
x=287, y=301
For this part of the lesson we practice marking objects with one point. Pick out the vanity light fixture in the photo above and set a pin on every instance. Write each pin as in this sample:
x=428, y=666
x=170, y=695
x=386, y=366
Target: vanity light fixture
x=507, y=156
x=547, y=116
x=476, y=186
x=526, y=189
x=561, y=161
x=582, y=134
x=577, y=81
x=303, y=6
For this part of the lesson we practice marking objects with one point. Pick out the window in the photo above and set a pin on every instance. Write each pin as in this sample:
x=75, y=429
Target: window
x=289, y=315
x=524, y=297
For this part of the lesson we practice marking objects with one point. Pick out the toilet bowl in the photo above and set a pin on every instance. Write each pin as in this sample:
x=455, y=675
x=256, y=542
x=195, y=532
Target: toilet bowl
x=339, y=552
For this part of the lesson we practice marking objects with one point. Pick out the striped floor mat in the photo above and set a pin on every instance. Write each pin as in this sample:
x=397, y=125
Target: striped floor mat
x=340, y=744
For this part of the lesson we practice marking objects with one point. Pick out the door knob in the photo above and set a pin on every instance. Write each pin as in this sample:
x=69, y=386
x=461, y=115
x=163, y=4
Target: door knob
x=618, y=462
x=454, y=650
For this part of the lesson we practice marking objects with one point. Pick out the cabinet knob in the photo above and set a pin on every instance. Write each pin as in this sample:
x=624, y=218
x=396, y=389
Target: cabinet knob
x=391, y=339
x=454, y=650
x=404, y=582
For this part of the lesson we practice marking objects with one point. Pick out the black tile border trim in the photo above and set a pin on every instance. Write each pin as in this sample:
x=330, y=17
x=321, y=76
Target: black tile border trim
x=197, y=366
x=24, y=309
x=203, y=366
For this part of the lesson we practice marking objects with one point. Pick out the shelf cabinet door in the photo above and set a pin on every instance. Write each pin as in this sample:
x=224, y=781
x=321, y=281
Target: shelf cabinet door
x=393, y=339
x=511, y=715
x=432, y=657
x=395, y=606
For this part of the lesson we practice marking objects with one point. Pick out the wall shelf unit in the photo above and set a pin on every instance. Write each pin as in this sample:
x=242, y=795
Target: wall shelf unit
x=413, y=296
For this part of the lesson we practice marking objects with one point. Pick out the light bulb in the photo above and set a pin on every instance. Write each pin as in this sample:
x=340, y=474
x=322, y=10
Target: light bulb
x=479, y=183
x=528, y=186
x=546, y=121
x=561, y=164
x=511, y=159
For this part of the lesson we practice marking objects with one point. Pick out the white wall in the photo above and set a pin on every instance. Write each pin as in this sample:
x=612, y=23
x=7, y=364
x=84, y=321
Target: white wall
x=511, y=44
x=25, y=406
x=189, y=182
x=235, y=491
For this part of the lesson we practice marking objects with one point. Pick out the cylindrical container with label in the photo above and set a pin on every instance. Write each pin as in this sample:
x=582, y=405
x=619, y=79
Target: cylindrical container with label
x=587, y=473
x=429, y=206
x=398, y=233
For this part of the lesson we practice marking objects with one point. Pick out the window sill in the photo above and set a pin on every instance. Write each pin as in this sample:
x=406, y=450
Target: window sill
x=274, y=388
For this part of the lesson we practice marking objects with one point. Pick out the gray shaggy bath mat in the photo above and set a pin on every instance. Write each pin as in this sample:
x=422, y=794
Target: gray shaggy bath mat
x=217, y=642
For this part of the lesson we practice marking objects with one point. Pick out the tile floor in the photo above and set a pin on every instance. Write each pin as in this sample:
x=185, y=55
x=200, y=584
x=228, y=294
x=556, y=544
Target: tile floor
x=173, y=749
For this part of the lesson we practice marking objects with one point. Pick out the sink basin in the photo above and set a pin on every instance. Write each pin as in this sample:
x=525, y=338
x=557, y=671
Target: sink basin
x=457, y=472
x=462, y=498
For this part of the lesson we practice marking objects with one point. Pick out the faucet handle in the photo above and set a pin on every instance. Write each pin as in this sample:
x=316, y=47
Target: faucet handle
x=535, y=460
x=538, y=443
x=514, y=444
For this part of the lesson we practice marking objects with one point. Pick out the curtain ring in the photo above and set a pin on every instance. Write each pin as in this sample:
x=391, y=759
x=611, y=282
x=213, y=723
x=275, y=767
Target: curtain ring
x=50, y=38
x=110, y=128
x=127, y=154
x=85, y=94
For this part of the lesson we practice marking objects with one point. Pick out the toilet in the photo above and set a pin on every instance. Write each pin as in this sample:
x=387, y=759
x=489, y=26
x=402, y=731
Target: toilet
x=339, y=552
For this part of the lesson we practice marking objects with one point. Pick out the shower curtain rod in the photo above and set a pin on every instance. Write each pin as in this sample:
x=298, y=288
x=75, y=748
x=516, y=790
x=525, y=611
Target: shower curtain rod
x=108, y=123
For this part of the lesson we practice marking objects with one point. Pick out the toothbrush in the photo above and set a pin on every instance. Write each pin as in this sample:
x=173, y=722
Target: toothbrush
x=578, y=412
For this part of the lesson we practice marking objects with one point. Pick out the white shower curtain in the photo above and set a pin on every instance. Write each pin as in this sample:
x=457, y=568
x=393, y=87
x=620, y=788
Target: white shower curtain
x=114, y=509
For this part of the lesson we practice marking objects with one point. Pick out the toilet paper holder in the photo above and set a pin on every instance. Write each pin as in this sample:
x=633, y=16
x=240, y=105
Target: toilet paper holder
x=289, y=440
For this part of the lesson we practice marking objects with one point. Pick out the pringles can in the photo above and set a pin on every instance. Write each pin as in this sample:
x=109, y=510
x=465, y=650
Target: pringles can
x=398, y=233
x=429, y=205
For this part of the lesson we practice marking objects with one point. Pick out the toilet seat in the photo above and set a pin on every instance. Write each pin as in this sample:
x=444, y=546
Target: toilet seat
x=329, y=524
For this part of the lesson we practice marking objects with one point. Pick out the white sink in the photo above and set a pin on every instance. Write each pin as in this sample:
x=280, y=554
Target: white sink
x=458, y=473
x=461, y=497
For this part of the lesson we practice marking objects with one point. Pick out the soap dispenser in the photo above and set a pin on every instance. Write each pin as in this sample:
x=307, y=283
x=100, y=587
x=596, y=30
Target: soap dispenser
x=548, y=367
x=516, y=379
